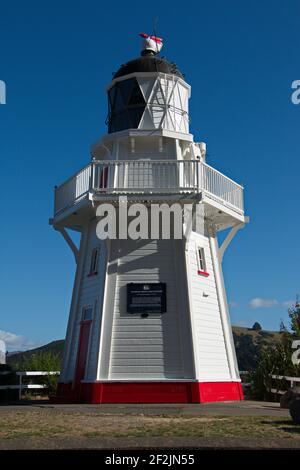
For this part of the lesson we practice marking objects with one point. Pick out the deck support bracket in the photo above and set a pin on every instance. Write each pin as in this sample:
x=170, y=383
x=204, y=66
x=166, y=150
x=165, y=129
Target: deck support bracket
x=69, y=241
x=230, y=237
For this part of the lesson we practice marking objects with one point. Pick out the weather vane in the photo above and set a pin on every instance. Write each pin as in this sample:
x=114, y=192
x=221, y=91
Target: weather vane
x=151, y=44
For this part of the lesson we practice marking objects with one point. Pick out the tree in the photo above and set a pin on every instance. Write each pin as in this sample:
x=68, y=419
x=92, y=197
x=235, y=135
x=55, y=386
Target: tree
x=282, y=327
x=294, y=314
x=275, y=360
x=256, y=326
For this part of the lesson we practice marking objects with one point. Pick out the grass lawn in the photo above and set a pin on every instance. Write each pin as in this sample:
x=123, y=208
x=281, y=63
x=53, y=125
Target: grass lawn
x=43, y=423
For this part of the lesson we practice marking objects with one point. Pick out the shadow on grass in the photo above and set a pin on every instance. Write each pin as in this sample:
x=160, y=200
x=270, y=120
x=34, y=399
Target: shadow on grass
x=25, y=403
x=292, y=428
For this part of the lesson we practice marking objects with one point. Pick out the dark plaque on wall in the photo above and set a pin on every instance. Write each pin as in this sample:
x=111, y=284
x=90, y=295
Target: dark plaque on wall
x=146, y=298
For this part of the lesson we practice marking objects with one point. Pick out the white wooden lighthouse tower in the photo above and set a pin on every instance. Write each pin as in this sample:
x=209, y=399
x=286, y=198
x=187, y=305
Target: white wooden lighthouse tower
x=149, y=318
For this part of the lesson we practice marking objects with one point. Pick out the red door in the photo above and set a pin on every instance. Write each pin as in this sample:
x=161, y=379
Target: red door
x=82, y=352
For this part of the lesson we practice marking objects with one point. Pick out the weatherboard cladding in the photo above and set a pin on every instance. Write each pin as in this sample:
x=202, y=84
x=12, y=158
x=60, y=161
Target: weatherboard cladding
x=147, y=148
x=151, y=348
x=91, y=294
x=146, y=348
x=209, y=338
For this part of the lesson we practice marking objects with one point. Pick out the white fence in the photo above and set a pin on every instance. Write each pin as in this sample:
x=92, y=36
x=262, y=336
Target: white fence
x=275, y=390
x=21, y=386
x=149, y=176
x=291, y=380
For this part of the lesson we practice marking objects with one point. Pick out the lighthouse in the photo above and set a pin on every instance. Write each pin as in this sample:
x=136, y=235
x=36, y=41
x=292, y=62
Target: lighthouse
x=149, y=319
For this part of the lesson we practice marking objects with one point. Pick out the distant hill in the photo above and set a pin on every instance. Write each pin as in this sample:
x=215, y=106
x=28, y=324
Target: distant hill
x=248, y=343
x=55, y=347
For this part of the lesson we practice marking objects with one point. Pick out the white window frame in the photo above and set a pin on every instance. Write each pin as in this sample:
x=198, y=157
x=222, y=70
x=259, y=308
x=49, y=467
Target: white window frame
x=94, y=262
x=201, y=261
x=84, y=309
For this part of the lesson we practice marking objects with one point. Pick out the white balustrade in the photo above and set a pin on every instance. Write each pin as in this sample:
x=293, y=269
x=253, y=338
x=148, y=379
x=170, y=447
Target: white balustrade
x=150, y=177
x=72, y=190
x=220, y=186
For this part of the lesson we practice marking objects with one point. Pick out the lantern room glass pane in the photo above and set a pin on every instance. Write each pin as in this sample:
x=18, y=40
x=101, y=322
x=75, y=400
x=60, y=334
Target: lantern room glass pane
x=126, y=87
x=111, y=96
x=127, y=105
x=118, y=105
x=135, y=115
x=136, y=96
x=120, y=121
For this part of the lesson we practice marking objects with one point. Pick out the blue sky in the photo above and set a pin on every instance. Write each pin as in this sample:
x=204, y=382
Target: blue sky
x=56, y=59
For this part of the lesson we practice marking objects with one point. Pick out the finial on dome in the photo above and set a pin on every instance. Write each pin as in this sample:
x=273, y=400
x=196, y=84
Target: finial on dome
x=151, y=45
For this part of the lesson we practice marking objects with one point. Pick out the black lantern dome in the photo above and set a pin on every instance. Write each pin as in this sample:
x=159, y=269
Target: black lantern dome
x=148, y=63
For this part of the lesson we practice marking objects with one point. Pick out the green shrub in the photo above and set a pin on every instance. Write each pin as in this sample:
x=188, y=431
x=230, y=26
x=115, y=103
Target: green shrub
x=275, y=360
x=42, y=361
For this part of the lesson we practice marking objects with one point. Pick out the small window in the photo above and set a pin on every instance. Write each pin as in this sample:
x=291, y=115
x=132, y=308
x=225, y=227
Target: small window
x=87, y=313
x=201, y=261
x=94, y=261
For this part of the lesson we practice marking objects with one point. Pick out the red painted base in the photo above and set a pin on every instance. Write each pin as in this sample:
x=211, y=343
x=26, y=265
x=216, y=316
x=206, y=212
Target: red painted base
x=149, y=392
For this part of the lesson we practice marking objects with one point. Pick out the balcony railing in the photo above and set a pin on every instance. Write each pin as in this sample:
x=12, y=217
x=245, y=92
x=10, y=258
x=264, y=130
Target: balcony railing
x=149, y=177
